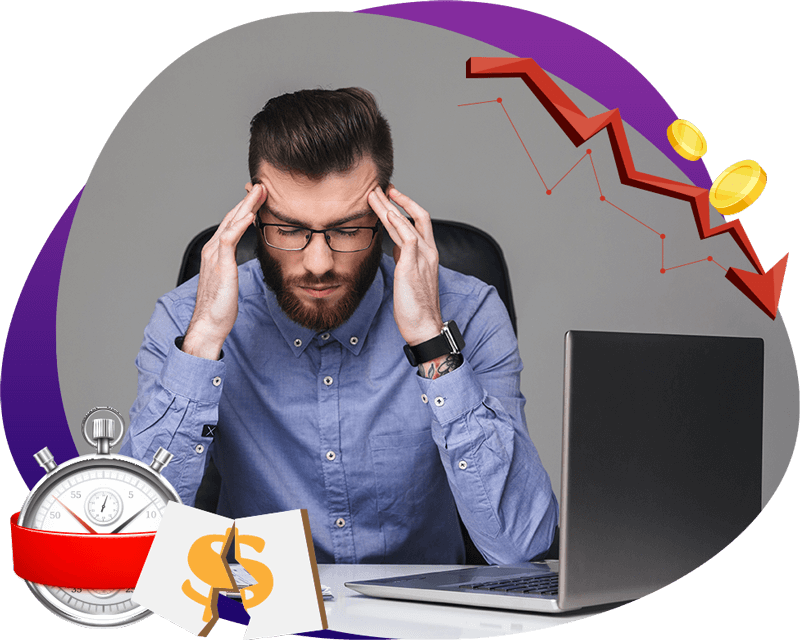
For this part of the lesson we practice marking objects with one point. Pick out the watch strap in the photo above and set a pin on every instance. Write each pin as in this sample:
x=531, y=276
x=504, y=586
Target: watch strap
x=447, y=342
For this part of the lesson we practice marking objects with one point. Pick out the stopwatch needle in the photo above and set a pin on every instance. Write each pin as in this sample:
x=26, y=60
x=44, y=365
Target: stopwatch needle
x=132, y=518
x=76, y=516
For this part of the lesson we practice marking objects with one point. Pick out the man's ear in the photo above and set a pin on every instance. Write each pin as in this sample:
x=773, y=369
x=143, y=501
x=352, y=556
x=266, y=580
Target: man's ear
x=248, y=187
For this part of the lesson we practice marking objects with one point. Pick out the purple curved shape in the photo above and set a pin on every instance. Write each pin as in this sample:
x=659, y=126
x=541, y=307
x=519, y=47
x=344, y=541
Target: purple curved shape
x=33, y=413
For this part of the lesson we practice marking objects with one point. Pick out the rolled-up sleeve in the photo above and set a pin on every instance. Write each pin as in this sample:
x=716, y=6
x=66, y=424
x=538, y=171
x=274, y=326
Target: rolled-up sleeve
x=502, y=491
x=178, y=395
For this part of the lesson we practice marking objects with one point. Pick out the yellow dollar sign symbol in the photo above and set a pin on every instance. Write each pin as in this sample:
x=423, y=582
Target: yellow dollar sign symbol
x=263, y=576
x=210, y=567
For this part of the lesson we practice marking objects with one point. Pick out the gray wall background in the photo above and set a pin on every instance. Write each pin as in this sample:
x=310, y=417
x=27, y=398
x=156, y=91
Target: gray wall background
x=176, y=163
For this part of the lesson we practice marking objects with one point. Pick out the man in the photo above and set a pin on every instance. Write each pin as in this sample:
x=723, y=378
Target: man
x=291, y=368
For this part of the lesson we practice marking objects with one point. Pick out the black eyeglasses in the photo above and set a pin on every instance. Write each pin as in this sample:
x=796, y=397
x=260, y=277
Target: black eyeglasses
x=287, y=237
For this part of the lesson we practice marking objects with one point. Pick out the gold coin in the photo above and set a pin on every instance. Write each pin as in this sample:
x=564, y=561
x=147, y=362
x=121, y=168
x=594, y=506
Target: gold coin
x=686, y=139
x=737, y=187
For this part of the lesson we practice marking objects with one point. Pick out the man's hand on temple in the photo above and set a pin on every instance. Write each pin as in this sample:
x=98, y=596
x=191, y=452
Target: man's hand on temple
x=218, y=288
x=416, y=276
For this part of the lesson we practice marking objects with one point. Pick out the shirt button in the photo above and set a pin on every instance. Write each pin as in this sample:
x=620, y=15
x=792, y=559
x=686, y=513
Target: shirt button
x=425, y=398
x=331, y=455
x=439, y=401
x=328, y=381
x=216, y=381
x=325, y=336
x=462, y=465
x=298, y=343
x=340, y=522
x=354, y=340
x=199, y=448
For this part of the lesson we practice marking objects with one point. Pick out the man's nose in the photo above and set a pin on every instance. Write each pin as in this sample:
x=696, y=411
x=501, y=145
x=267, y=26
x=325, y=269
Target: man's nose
x=317, y=256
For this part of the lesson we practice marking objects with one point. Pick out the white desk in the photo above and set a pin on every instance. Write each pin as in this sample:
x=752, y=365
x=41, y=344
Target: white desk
x=351, y=612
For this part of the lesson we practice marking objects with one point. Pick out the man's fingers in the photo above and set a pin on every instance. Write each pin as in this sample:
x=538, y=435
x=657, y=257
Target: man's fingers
x=222, y=245
x=247, y=206
x=251, y=203
x=400, y=221
x=382, y=212
x=229, y=238
x=422, y=218
x=225, y=221
x=409, y=238
x=244, y=217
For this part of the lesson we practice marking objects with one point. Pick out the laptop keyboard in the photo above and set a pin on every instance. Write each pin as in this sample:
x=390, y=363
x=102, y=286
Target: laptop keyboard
x=545, y=585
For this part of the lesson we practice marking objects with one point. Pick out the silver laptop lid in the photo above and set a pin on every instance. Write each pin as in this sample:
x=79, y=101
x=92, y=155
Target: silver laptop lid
x=661, y=458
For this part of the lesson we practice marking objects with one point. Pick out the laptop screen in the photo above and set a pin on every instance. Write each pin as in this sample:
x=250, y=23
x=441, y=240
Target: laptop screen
x=662, y=447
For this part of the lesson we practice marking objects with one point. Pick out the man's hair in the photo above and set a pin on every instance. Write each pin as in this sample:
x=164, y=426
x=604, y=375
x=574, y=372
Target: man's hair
x=316, y=132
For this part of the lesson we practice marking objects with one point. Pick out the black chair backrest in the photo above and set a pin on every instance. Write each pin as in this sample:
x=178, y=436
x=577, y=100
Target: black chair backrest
x=462, y=247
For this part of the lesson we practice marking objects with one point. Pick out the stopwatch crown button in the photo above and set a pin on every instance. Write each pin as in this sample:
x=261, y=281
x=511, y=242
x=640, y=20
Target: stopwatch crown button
x=45, y=459
x=103, y=428
x=161, y=459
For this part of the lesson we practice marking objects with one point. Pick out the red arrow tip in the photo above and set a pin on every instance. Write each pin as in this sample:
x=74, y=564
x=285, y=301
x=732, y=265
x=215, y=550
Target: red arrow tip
x=763, y=290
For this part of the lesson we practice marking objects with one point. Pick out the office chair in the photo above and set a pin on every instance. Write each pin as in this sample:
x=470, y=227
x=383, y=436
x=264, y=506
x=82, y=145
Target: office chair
x=462, y=247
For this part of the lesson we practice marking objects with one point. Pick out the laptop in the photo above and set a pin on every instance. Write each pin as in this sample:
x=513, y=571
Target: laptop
x=661, y=469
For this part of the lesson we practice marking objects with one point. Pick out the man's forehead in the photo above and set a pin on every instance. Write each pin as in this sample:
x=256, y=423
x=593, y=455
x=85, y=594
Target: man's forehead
x=331, y=201
x=333, y=194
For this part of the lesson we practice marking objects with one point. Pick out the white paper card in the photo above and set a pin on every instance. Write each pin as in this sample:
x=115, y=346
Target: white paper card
x=294, y=604
x=185, y=568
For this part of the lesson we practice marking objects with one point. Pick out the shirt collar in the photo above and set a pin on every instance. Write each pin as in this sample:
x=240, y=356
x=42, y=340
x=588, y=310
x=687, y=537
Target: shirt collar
x=352, y=334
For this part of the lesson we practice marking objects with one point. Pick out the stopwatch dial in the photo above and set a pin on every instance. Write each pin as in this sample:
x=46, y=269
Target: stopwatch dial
x=103, y=506
x=102, y=500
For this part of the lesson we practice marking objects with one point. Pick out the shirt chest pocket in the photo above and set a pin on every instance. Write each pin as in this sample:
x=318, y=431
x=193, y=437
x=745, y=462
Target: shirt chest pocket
x=409, y=477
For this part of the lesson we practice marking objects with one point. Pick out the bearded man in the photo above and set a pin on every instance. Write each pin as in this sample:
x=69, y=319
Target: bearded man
x=292, y=370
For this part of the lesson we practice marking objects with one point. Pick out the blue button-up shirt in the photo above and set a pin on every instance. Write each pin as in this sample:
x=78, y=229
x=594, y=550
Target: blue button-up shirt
x=339, y=424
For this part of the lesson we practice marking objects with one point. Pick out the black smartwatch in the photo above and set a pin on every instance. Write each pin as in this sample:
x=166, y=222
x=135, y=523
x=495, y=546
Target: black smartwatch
x=449, y=341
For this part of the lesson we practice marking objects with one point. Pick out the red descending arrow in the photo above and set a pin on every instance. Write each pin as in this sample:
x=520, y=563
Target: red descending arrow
x=763, y=288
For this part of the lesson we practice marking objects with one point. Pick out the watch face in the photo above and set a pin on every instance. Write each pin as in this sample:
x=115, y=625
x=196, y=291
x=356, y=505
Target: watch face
x=96, y=494
x=103, y=506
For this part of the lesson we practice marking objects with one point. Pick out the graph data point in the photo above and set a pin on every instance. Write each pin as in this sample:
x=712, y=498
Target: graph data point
x=549, y=192
x=602, y=198
x=663, y=270
x=588, y=151
x=500, y=100
x=663, y=236
x=710, y=259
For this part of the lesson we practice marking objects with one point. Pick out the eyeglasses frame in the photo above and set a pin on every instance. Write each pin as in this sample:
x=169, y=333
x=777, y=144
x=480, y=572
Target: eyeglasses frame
x=262, y=225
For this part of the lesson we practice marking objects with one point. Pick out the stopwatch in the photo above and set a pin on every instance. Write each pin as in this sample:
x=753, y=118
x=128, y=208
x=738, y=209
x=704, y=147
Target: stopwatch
x=101, y=493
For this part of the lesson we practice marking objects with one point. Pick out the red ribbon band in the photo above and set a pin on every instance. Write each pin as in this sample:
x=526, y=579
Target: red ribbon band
x=79, y=560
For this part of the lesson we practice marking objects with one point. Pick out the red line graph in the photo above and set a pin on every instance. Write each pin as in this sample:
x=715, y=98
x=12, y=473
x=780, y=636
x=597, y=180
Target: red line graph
x=762, y=288
x=603, y=198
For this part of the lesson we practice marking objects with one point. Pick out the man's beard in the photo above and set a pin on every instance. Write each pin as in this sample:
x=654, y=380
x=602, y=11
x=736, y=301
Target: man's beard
x=319, y=314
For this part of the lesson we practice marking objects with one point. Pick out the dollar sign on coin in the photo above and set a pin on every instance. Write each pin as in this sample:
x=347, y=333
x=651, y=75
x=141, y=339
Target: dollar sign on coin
x=737, y=187
x=208, y=565
x=687, y=140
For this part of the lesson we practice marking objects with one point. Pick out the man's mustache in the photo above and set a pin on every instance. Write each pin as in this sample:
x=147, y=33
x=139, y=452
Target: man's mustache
x=309, y=280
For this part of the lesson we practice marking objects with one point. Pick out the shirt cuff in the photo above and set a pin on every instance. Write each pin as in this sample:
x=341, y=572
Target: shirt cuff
x=452, y=395
x=195, y=378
